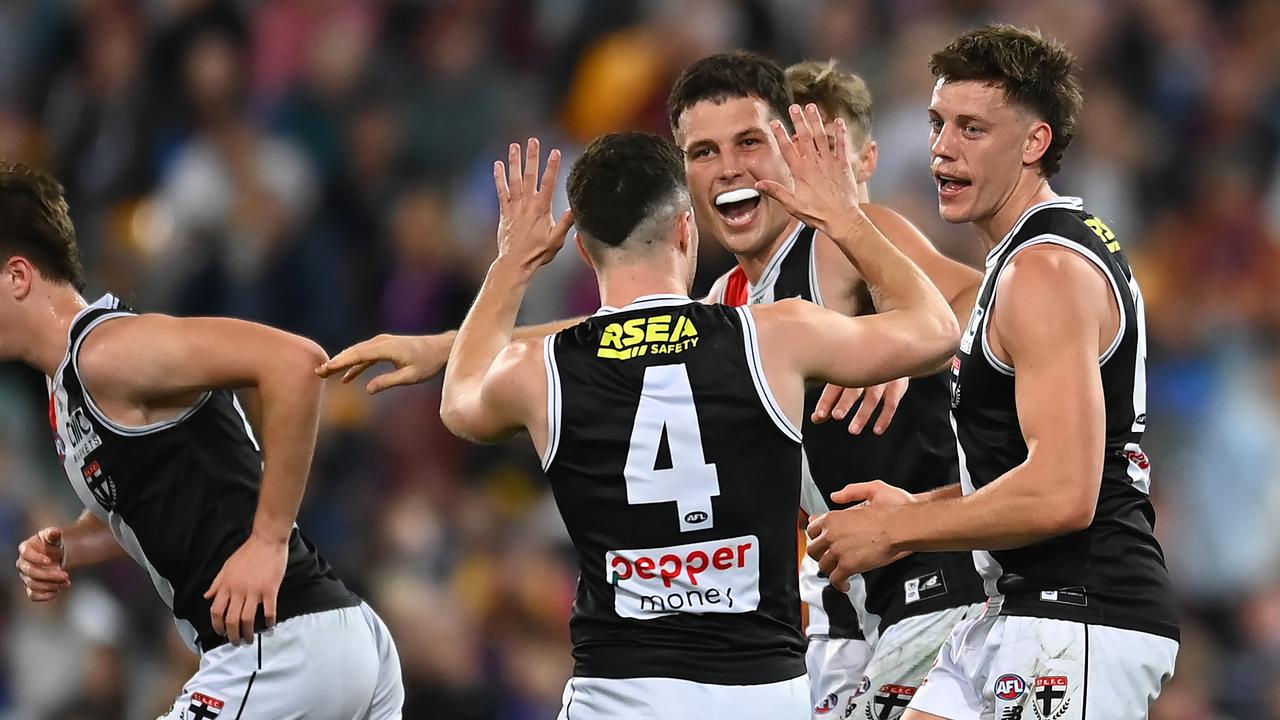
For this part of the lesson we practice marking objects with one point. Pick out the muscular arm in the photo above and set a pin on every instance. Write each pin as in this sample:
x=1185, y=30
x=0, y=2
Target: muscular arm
x=1052, y=309
x=149, y=366
x=490, y=383
x=957, y=282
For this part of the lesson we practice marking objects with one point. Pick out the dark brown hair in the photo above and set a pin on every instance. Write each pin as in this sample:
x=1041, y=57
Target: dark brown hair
x=35, y=223
x=619, y=180
x=1038, y=74
x=730, y=75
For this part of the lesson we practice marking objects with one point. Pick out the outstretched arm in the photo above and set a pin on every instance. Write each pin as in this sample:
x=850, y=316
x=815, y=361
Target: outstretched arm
x=417, y=358
x=485, y=397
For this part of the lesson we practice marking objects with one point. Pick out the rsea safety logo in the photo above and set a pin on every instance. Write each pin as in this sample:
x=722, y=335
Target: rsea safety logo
x=655, y=335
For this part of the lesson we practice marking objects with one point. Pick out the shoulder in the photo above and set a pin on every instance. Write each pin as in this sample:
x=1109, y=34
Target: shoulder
x=1050, y=283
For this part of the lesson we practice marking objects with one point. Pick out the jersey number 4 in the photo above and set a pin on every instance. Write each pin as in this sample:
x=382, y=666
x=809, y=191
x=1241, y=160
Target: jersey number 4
x=666, y=410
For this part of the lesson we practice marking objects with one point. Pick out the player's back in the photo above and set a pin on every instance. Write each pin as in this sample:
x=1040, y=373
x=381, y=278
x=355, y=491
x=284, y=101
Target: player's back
x=678, y=477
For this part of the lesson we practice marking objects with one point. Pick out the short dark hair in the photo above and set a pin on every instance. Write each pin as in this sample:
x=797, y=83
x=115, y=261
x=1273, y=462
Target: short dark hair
x=36, y=223
x=835, y=92
x=730, y=75
x=621, y=179
x=1037, y=73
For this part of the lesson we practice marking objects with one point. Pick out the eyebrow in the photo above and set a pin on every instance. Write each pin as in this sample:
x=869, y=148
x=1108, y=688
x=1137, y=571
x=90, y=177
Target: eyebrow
x=737, y=136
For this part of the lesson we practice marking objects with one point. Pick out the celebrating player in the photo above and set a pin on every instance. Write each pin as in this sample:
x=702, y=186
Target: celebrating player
x=669, y=428
x=170, y=473
x=1049, y=405
x=720, y=108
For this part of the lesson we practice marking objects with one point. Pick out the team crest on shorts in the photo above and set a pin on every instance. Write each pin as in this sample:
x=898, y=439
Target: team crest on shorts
x=1050, y=700
x=889, y=702
x=850, y=706
x=203, y=707
x=827, y=705
x=1010, y=687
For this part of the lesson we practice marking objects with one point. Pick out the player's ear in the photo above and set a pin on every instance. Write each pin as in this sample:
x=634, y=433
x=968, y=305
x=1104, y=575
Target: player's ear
x=1039, y=135
x=17, y=277
x=582, y=250
x=685, y=232
x=868, y=156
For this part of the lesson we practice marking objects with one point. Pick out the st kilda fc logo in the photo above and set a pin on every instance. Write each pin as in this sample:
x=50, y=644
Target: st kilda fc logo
x=101, y=485
x=203, y=707
x=1049, y=699
x=889, y=702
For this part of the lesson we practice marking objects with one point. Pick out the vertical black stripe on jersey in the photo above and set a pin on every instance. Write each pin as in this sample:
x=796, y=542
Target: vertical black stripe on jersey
x=1113, y=572
x=188, y=491
x=917, y=453
x=758, y=471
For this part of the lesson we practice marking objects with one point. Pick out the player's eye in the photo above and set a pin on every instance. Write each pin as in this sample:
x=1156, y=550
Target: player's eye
x=702, y=151
x=935, y=124
x=972, y=130
x=750, y=142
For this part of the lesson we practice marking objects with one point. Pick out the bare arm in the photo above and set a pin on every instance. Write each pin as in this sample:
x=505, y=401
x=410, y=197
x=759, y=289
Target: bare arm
x=88, y=542
x=417, y=358
x=488, y=381
x=957, y=282
x=1052, y=310
x=150, y=364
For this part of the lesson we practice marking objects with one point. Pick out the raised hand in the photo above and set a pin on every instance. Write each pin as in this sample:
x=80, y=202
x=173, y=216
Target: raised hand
x=40, y=565
x=527, y=233
x=417, y=358
x=824, y=192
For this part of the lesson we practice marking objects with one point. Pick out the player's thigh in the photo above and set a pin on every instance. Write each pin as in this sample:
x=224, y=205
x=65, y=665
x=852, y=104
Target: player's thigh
x=903, y=656
x=388, y=692
x=1041, y=669
x=671, y=699
x=322, y=666
x=836, y=668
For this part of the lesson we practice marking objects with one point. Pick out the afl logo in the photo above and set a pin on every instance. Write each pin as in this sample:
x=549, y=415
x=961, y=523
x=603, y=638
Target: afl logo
x=827, y=705
x=695, y=517
x=1010, y=687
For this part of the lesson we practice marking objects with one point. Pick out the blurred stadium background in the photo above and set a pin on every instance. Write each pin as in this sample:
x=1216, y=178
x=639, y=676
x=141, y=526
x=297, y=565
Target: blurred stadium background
x=324, y=166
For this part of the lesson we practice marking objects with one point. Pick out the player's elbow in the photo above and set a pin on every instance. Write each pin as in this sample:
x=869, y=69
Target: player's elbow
x=937, y=339
x=462, y=417
x=1069, y=509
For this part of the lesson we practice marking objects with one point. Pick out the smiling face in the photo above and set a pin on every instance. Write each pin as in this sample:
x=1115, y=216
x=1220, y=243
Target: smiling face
x=981, y=147
x=728, y=146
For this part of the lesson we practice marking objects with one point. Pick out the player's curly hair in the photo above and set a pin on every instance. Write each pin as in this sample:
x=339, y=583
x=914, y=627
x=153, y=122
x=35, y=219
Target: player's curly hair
x=729, y=75
x=35, y=223
x=620, y=180
x=836, y=92
x=1038, y=73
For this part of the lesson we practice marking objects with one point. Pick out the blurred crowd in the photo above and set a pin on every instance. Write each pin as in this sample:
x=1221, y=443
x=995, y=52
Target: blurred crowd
x=324, y=166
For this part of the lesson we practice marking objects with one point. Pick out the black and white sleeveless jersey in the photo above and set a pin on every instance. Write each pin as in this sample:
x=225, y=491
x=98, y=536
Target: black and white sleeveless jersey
x=917, y=453
x=180, y=495
x=678, y=477
x=1113, y=572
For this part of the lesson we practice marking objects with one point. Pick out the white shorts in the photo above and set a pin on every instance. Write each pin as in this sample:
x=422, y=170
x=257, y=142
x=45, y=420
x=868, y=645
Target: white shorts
x=1002, y=667
x=333, y=665
x=836, y=667
x=901, y=658
x=670, y=699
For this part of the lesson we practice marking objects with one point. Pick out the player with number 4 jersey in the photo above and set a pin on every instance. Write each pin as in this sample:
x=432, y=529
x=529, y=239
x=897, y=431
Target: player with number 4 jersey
x=669, y=428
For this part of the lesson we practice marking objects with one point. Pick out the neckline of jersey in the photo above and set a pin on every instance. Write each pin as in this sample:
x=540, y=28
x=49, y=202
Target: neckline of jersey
x=106, y=302
x=646, y=301
x=774, y=266
x=1070, y=201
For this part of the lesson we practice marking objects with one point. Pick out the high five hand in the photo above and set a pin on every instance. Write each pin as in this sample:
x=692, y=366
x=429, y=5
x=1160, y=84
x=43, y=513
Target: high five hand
x=527, y=234
x=825, y=190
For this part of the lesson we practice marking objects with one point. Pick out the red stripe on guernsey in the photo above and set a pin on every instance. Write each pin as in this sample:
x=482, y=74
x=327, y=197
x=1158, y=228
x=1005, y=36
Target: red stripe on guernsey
x=735, y=288
x=53, y=414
